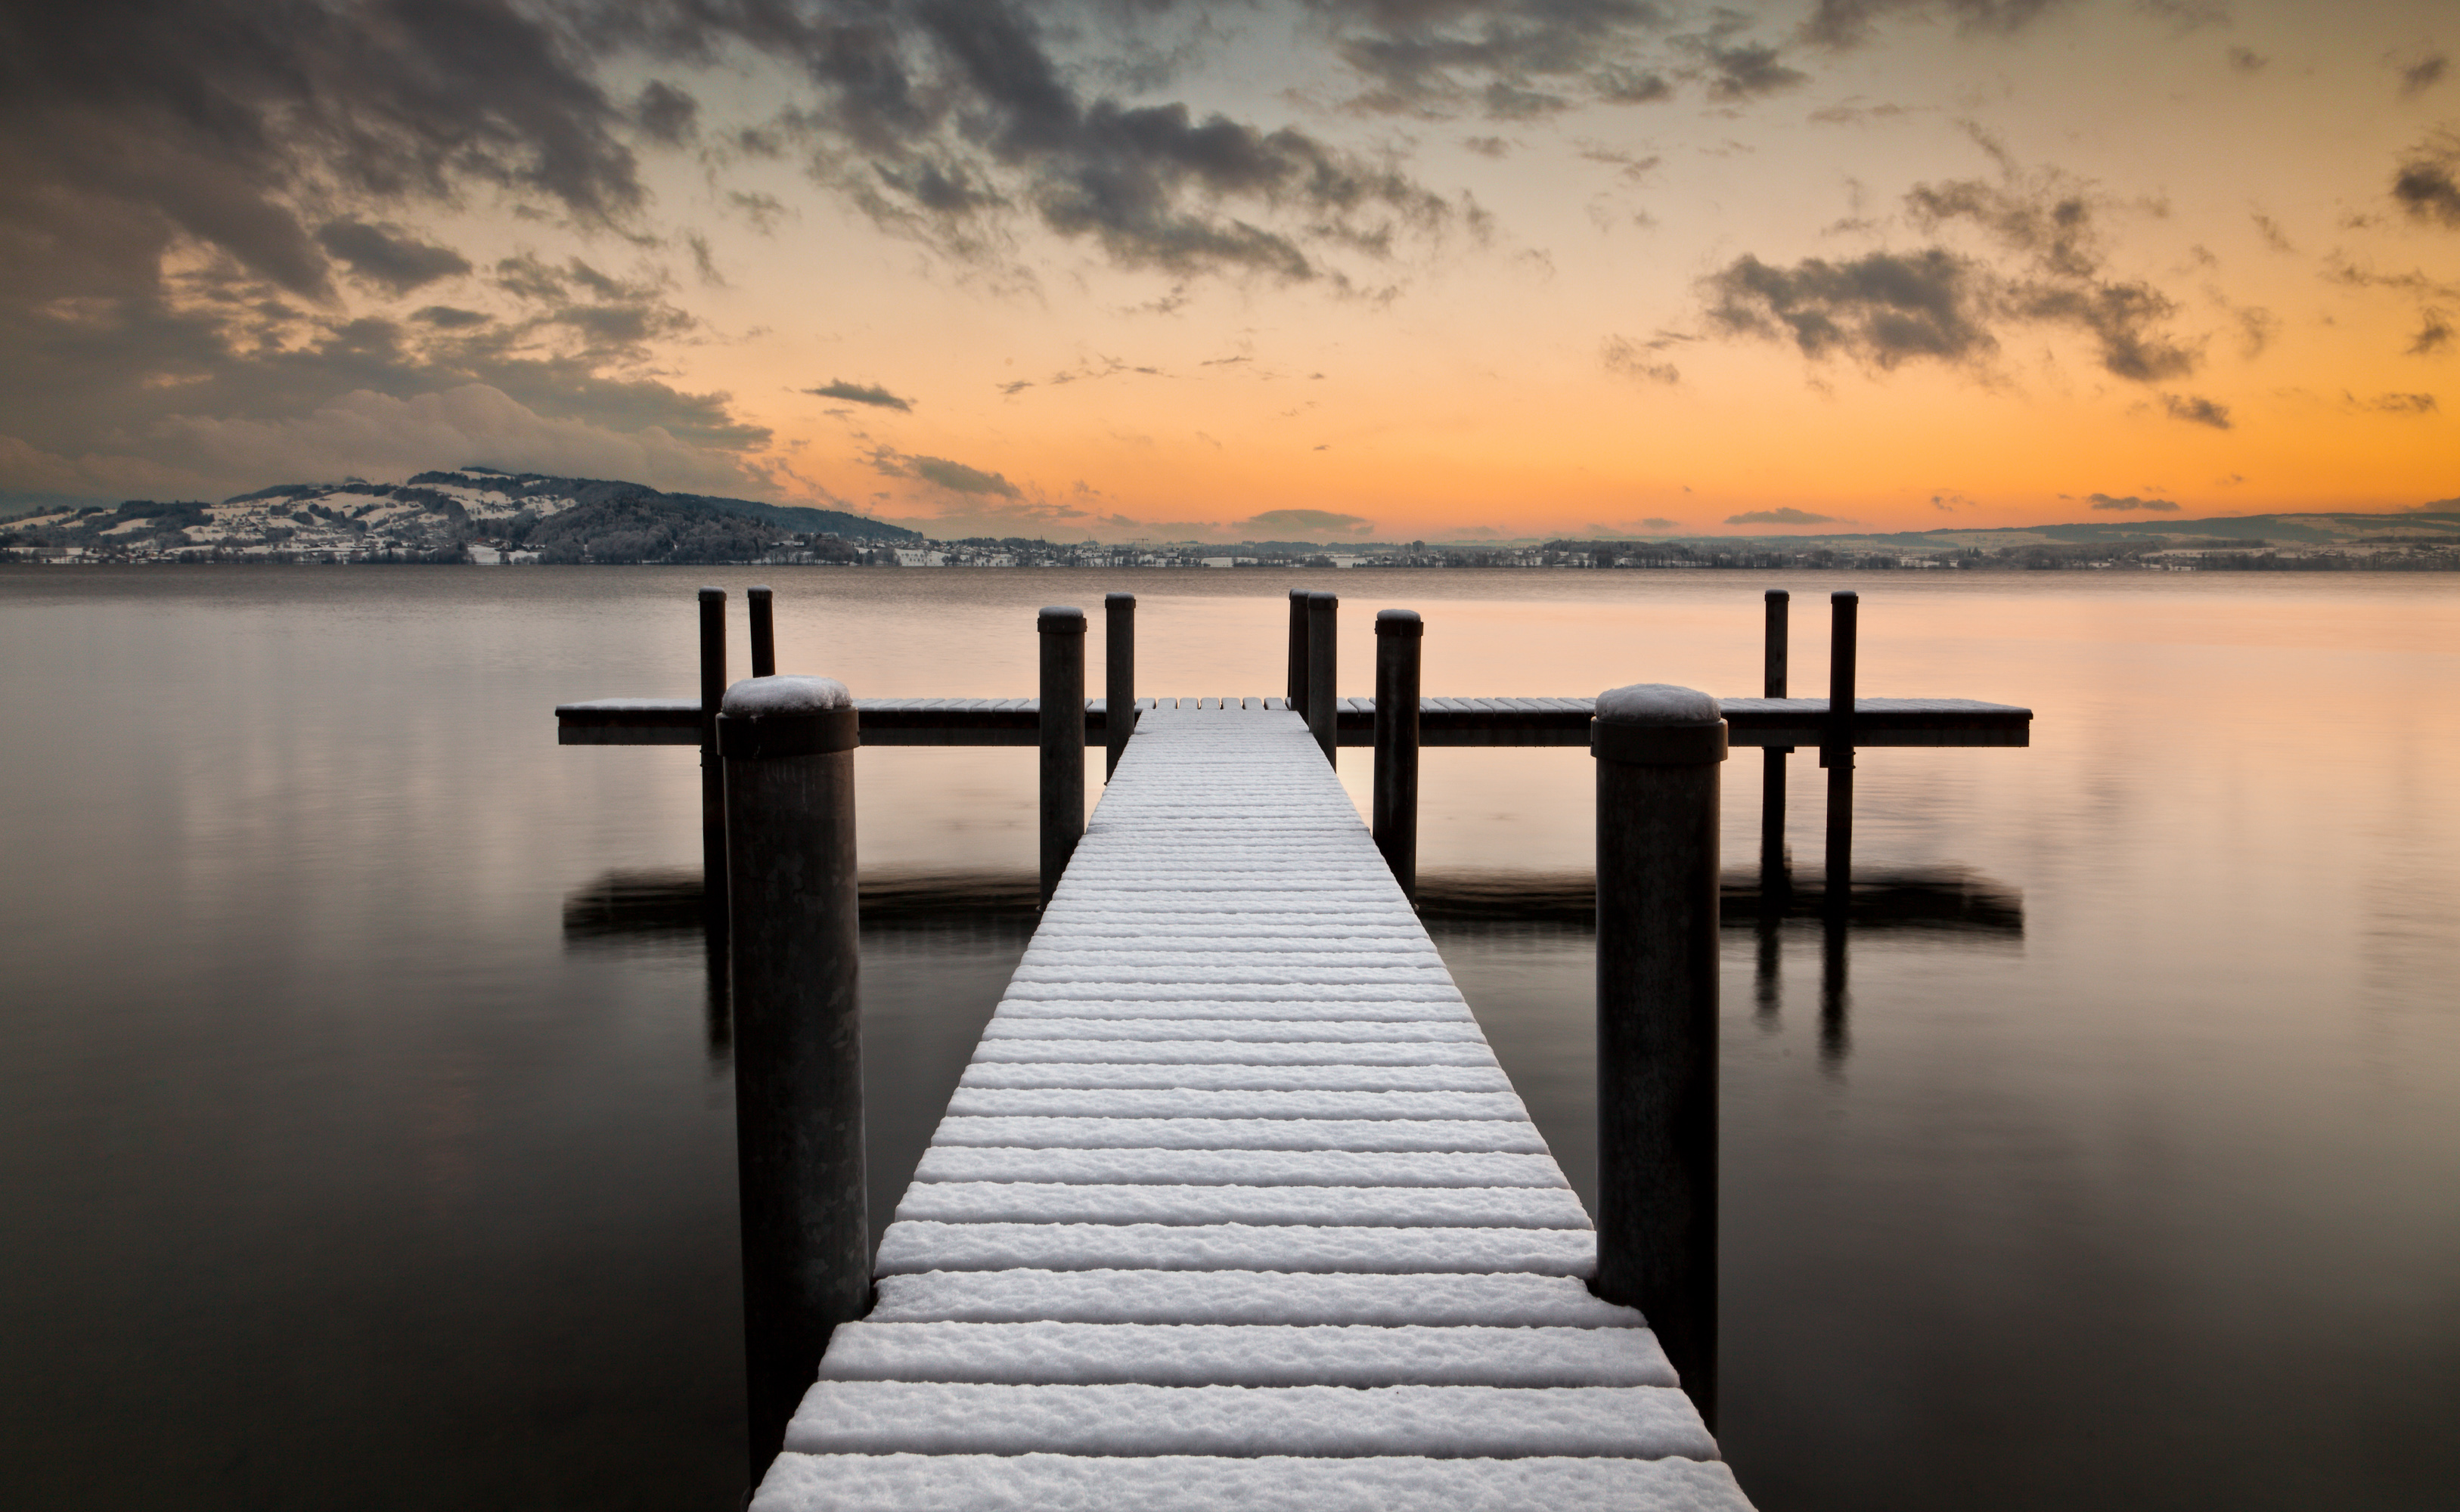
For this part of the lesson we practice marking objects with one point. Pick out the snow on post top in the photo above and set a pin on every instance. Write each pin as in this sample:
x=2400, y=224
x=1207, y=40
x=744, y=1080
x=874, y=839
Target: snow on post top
x=785, y=696
x=1656, y=703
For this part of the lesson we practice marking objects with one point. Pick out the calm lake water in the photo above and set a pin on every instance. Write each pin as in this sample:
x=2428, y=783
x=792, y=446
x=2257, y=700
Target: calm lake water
x=364, y=1133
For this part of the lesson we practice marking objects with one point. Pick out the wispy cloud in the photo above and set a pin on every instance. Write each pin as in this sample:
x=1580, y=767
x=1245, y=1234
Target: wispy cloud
x=872, y=394
x=2128, y=504
x=1786, y=515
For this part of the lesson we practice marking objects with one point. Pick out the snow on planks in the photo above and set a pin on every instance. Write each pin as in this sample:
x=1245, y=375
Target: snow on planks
x=1235, y=1209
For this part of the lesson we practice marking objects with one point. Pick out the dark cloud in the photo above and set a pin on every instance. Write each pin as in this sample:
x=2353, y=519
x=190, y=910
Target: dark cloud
x=1842, y=24
x=666, y=113
x=1944, y=305
x=2247, y=60
x=1882, y=307
x=388, y=257
x=2423, y=74
x=860, y=393
x=446, y=317
x=1303, y=523
x=1633, y=359
x=2434, y=333
x=1748, y=70
x=954, y=476
x=1658, y=522
x=2406, y=404
x=2273, y=236
x=2130, y=504
x=2427, y=184
x=2187, y=15
x=1787, y=516
x=1497, y=58
x=2196, y=410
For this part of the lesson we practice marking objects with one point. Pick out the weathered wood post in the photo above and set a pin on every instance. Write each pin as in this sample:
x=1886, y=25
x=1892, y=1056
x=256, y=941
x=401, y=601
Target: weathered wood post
x=1118, y=677
x=1836, y=754
x=1774, y=884
x=764, y=632
x=1297, y=689
x=1399, y=637
x=1322, y=707
x=713, y=774
x=1658, y=750
x=1063, y=740
x=788, y=747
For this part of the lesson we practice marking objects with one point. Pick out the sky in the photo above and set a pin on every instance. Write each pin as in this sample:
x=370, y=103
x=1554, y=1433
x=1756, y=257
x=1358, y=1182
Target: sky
x=1332, y=270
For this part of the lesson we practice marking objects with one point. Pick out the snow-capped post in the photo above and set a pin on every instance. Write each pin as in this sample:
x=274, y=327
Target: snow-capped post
x=787, y=745
x=1773, y=877
x=1063, y=740
x=1836, y=753
x=1323, y=708
x=1296, y=691
x=1118, y=677
x=1399, y=636
x=713, y=775
x=1658, y=750
x=764, y=633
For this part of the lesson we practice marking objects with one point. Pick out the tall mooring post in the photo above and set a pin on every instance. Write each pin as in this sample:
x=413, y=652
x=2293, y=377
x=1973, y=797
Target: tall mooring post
x=1774, y=881
x=1658, y=750
x=1323, y=708
x=764, y=631
x=788, y=747
x=713, y=774
x=1399, y=636
x=1063, y=740
x=1837, y=753
x=1296, y=691
x=1118, y=678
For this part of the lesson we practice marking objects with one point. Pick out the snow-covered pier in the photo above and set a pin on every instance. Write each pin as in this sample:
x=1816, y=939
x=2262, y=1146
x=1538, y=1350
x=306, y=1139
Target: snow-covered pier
x=1234, y=1208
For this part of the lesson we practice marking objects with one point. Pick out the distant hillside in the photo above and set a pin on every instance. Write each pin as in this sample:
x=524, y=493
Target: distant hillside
x=455, y=516
x=2437, y=522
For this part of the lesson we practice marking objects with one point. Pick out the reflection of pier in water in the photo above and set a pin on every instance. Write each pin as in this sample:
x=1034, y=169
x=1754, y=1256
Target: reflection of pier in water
x=1944, y=901
x=662, y=910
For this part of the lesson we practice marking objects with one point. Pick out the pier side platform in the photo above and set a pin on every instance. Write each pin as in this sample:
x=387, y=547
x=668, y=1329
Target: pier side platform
x=1234, y=1208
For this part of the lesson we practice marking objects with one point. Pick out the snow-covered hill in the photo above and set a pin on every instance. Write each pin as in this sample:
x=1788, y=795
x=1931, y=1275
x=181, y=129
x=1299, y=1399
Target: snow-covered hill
x=470, y=514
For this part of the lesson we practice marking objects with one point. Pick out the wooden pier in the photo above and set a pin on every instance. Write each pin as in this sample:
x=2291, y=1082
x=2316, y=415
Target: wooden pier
x=1234, y=1207
x=1772, y=722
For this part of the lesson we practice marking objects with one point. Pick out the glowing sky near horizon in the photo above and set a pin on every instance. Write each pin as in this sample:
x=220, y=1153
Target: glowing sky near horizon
x=1579, y=266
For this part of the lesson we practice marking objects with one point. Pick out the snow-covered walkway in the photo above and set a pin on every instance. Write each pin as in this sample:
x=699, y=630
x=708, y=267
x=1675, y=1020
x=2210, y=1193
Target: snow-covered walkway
x=1235, y=1209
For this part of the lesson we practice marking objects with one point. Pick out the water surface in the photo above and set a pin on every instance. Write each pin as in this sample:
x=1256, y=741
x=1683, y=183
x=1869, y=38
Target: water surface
x=364, y=1129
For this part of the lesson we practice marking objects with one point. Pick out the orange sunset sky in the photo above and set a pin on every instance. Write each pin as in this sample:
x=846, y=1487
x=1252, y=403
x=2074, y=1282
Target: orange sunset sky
x=1348, y=269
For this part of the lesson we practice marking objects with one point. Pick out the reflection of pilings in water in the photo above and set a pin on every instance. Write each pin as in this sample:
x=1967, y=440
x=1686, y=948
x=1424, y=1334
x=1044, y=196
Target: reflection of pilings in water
x=720, y=1011
x=1836, y=998
x=1764, y=975
x=665, y=907
x=1944, y=898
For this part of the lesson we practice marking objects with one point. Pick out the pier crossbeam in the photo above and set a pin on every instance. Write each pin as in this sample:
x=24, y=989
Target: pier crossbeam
x=1234, y=1207
x=1442, y=721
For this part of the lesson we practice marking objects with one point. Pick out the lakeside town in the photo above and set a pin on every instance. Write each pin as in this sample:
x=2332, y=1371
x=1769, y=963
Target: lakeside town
x=485, y=517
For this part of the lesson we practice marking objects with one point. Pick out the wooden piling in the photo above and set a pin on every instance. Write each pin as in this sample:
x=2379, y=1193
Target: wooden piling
x=1658, y=750
x=1837, y=754
x=1296, y=690
x=1323, y=706
x=1399, y=637
x=713, y=774
x=764, y=632
x=1063, y=740
x=1118, y=677
x=788, y=747
x=1774, y=884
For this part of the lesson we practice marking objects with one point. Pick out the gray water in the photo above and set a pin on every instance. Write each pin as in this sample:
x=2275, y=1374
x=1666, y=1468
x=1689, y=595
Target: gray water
x=364, y=1133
